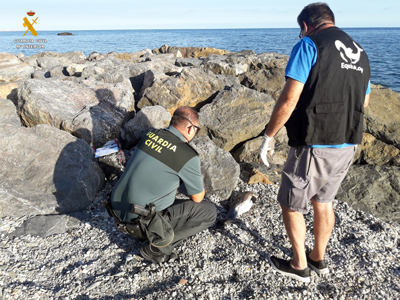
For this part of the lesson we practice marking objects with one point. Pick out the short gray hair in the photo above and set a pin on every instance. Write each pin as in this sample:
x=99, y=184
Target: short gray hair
x=315, y=14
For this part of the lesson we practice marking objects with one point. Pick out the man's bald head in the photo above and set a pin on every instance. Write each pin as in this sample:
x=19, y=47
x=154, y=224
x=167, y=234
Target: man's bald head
x=182, y=115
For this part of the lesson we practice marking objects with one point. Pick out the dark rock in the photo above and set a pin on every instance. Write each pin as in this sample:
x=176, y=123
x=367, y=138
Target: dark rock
x=65, y=33
x=113, y=165
x=373, y=189
x=45, y=171
x=236, y=115
x=220, y=171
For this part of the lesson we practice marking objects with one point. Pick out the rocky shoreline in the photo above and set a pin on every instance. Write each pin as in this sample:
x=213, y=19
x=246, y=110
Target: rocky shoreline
x=57, y=241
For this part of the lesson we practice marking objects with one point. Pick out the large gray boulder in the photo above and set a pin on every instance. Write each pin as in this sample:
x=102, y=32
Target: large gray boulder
x=8, y=114
x=267, y=74
x=230, y=64
x=220, y=171
x=373, y=189
x=191, y=87
x=12, y=68
x=248, y=152
x=236, y=115
x=270, y=81
x=93, y=111
x=382, y=116
x=112, y=71
x=45, y=171
x=189, y=62
x=49, y=59
x=269, y=60
x=146, y=119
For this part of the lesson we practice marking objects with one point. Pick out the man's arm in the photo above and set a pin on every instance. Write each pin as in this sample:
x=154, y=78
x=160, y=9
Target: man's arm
x=366, y=101
x=198, y=197
x=191, y=176
x=285, y=106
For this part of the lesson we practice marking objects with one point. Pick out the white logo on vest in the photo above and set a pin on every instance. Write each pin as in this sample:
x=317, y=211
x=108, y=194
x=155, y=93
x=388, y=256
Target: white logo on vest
x=349, y=56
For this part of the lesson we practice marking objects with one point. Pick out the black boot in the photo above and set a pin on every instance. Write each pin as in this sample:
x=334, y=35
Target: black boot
x=153, y=254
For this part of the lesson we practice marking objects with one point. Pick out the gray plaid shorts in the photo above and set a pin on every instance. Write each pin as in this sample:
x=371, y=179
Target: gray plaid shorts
x=313, y=173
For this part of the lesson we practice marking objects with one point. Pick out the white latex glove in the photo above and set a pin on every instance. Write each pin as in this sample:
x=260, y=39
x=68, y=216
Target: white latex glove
x=267, y=147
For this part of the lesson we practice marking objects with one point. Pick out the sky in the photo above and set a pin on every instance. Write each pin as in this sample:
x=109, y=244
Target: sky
x=172, y=14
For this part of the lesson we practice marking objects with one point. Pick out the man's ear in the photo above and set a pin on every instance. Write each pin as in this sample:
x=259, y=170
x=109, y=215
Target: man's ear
x=305, y=28
x=190, y=130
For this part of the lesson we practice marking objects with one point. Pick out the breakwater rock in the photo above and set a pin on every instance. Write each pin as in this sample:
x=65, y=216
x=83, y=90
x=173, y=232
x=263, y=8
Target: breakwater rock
x=52, y=100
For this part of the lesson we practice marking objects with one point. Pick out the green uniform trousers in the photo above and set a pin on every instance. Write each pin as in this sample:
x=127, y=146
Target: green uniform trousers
x=188, y=218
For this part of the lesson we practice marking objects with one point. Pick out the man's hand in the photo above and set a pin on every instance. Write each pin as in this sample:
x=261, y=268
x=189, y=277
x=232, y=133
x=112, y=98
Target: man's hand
x=267, y=147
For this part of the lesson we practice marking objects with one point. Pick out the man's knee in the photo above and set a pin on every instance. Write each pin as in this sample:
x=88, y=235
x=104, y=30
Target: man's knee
x=210, y=211
x=287, y=210
x=321, y=206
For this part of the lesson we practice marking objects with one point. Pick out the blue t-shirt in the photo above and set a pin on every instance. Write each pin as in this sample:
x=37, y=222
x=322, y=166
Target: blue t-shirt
x=301, y=61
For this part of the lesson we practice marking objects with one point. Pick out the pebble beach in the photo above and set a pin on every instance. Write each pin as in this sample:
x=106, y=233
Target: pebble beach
x=92, y=260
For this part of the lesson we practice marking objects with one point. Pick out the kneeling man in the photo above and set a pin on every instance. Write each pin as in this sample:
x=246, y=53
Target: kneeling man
x=162, y=160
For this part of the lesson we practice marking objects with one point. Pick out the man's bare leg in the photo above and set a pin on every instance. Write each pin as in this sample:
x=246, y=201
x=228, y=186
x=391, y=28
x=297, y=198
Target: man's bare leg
x=324, y=221
x=296, y=230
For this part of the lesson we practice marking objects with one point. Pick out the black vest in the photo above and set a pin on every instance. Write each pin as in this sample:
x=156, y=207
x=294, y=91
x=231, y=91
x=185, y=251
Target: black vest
x=331, y=107
x=166, y=147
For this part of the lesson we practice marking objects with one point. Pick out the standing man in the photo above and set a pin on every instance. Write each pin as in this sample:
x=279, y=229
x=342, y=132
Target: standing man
x=322, y=107
x=162, y=160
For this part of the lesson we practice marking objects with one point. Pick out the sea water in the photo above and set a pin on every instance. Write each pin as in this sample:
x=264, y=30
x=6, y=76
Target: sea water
x=381, y=44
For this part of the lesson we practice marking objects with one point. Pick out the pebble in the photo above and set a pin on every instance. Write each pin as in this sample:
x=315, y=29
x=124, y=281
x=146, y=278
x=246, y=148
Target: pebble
x=96, y=261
